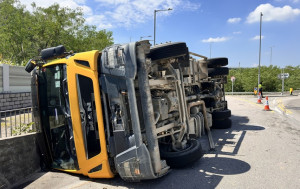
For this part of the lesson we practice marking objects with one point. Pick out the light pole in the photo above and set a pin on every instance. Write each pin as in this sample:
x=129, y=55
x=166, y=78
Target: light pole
x=144, y=37
x=155, y=11
x=259, y=49
x=210, y=50
x=282, y=85
x=271, y=55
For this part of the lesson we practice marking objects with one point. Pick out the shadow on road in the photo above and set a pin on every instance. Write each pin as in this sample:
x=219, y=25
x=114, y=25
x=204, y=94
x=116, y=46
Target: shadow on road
x=238, y=124
x=225, y=166
x=29, y=180
x=225, y=137
x=207, y=172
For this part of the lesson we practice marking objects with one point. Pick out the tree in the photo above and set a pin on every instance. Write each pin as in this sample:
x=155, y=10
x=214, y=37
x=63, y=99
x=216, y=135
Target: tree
x=14, y=34
x=23, y=34
x=246, y=78
x=294, y=80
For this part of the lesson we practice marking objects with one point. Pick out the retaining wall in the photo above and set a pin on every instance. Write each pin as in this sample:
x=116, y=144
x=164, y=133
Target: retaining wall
x=14, y=79
x=9, y=101
x=14, y=87
x=18, y=159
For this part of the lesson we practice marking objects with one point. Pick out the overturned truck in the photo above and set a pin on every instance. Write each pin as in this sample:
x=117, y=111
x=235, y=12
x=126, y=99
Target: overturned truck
x=212, y=89
x=132, y=109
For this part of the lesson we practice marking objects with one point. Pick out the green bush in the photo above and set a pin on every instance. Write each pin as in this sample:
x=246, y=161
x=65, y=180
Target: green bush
x=246, y=79
x=23, y=129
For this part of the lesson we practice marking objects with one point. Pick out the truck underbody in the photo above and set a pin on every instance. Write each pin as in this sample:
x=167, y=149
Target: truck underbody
x=156, y=103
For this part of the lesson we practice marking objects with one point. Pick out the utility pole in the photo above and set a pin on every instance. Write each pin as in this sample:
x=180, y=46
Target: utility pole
x=232, y=87
x=232, y=81
x=259, y=49
x=271, y=57
x=282, y=85
x=155, y=11
x=210, y=50
x=154, y=27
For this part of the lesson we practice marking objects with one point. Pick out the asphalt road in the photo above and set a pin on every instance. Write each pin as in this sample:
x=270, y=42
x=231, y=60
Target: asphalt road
x=261, y=150
x=289, y=105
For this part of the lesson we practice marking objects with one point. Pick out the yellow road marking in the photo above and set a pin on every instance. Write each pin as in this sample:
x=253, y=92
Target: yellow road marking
x=283, y=108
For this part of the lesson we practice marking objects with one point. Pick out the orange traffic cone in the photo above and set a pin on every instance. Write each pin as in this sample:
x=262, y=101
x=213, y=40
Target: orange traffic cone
x=259, y=98
x=267, y=108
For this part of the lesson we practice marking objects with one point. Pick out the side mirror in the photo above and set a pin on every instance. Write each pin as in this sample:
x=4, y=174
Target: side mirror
x=31, y=64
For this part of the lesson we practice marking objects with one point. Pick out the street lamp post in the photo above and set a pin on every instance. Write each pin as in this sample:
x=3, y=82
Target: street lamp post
x=259, y=49
x=271, y=55
x=155, y=11
x=282, y=84
x=210, y=50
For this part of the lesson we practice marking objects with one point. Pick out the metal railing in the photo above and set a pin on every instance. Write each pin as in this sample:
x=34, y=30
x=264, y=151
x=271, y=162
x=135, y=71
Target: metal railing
x=16, y=122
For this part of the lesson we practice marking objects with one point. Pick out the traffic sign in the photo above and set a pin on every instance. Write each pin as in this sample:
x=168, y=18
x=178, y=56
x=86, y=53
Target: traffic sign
x=283, y=75
x=232, y=78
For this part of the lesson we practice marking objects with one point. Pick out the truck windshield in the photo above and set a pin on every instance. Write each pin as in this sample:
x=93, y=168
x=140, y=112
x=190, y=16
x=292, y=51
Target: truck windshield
x=56, y=117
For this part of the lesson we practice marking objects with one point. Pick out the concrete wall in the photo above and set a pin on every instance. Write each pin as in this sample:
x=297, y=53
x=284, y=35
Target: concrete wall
x=14, y=87
x=14, y=79
x=18, y=155
x=9, y=101
x=18, y=159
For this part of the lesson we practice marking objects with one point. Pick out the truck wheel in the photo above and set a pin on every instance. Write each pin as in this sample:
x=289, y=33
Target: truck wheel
x=221, y=71
x=182, y=158
x=221, y=123
x=221, y=114
x=168, y=50
x=217, y=62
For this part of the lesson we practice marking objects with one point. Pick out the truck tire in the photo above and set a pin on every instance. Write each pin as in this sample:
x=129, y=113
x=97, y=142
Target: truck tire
x=221, y=123
x=221, y=114
x=221, y=71
x=217, y=62
x=168, y=50
x=182, y=158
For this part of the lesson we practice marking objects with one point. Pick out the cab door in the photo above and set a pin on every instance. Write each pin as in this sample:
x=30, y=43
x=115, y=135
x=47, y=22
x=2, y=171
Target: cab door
x=87, y=115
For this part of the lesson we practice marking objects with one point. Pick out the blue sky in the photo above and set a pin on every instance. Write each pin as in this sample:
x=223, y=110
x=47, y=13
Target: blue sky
x=216, y=28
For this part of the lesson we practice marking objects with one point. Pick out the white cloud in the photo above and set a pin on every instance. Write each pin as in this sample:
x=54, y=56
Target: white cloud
x=293, y=1
x=100, y=21
x=112, y=2
x=237, y=32
x=127, y=13
x=271, y=13
x=215, y=40
x=80, y=1
x=234, y=20
x=187, y=5
x=120, y=13
x=257, y=37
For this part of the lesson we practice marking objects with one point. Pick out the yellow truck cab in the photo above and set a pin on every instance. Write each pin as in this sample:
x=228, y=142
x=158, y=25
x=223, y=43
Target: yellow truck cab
x=132, y=110
x=71, y=115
